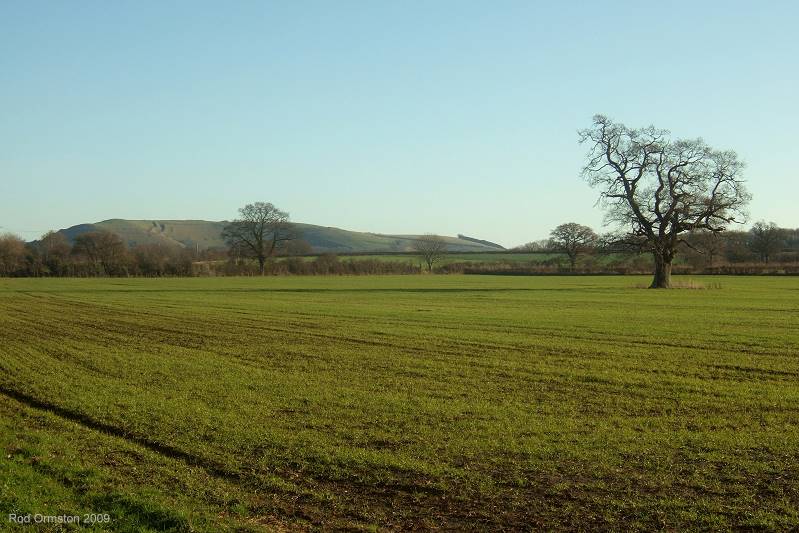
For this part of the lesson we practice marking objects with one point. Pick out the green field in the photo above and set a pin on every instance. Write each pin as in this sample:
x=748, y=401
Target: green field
x=422, y=402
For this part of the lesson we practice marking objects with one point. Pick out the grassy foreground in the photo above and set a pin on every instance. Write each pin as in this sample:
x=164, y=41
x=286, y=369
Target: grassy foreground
x=401, y=403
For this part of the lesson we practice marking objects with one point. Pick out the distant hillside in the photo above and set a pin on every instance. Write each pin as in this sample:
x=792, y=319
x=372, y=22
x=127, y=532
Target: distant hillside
x=481, y=241
x=206, y=234
x=183, y=233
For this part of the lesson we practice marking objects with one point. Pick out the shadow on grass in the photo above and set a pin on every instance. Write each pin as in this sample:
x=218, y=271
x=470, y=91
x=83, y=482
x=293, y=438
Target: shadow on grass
x=128, y=514
x=86, y=421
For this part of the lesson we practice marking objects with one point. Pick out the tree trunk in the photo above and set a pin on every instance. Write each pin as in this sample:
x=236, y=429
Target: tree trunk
x=662, y=279
x=262, y=264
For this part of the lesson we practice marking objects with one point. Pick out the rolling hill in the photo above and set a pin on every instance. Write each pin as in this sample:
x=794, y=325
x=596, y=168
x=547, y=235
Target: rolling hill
x=205, y=234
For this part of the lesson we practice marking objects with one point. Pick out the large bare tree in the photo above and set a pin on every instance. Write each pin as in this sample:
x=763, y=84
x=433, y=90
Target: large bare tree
x=431, y=248
x=572, y=239
x=259, y=230
x=656, y=189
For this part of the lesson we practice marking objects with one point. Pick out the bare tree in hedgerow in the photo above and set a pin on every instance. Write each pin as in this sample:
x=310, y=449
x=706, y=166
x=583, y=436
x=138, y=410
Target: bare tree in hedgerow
x=259, y=230
x=54, y=249
x=431, y=248
x=656, y=189
x=12, y=254
x=104, y=251
x=766, y=240
x=572, y=239
x=708, y=243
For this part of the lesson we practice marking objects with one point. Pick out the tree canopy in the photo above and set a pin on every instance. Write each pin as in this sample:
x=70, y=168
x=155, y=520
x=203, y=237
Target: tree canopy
x=656, y=189
x=431, y=248
x=572, y=239
x=259, y=230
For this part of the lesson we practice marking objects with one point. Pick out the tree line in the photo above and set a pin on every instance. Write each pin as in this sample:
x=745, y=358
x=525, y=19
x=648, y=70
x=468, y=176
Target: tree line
x=662, y=196
x=95, y=253
x=104, y=253
x=764, y=243
x=574, y=248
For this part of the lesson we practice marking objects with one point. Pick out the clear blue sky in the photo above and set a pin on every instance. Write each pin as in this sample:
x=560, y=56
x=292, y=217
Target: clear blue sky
x=443, y=116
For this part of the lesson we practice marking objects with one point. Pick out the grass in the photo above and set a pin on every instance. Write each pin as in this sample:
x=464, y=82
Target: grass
x=688, y=283
x=401, y=402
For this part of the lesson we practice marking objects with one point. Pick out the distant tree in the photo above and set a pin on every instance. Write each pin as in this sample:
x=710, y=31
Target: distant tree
x=611, y=243
x=259, y=230
x=706, y=242
x=54, y=252
x=12, y=254
x=151, y=259
x=791, y=238
x=327, y=264
x=159, y=259
x=431, y=248
x=656, y=189
x=103, y=250
x=534, y=246
x=296, y=247
x=572, y=239
x=33, y=264
x=766, y=240
x=736, y=246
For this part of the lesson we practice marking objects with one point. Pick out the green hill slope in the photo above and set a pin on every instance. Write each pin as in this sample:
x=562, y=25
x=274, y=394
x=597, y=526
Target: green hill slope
x=207, y=234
